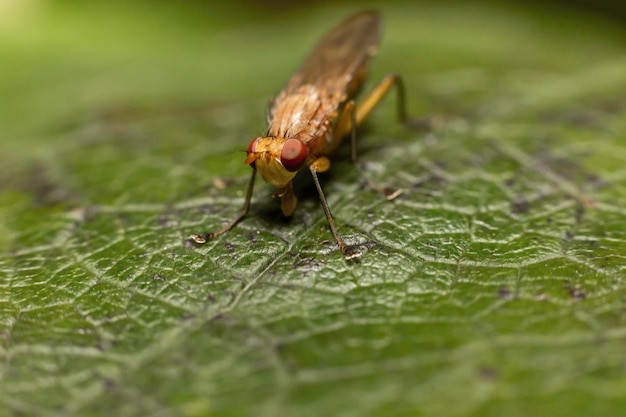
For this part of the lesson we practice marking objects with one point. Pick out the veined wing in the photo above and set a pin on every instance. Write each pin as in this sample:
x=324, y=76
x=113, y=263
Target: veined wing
x=337, y=57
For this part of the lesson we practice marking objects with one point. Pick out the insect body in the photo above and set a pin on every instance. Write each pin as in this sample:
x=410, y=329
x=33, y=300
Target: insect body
x=313, y=113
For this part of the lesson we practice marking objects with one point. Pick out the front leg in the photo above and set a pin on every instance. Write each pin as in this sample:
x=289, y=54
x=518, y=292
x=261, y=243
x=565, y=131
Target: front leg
x=349, y=252
x=203, y=238
x=348, y=123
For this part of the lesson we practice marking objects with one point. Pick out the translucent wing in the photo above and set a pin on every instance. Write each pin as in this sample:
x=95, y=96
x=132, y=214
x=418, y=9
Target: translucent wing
x=338, y=56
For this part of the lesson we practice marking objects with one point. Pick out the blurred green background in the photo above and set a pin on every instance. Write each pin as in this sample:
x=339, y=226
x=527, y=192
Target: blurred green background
x=493, y=286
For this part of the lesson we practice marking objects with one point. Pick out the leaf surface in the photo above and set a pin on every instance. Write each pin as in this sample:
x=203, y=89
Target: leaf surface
x=494, y=285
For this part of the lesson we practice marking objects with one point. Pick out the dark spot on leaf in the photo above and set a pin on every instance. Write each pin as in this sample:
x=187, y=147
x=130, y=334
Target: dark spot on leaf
x=188, y=316
x=577, y=293
x=166, y=221
x=102, y=345
x=280, y=346
x=520, y=207
x=569, y=235
x=596, y=182
x=510, y=182
x=504, y=292
x=159, y=277
x=108, y=384
x=307, y=263
x=230, y=248
x=579, y=213
x=440, y=164
x=228, y=293
x=219, y=317
x=424, y=124
x=44, y=188
x=363, y=185
x=124, y=218
x=488, y=373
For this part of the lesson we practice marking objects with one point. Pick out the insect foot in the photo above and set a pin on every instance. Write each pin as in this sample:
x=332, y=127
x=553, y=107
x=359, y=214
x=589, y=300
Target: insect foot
x=202, y=238
x=353, y=251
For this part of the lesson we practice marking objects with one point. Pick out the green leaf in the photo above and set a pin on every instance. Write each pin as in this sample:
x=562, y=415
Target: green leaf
x=494, y=285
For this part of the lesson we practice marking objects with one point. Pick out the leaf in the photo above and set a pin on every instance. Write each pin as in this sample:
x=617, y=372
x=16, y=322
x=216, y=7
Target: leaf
x=494, y=285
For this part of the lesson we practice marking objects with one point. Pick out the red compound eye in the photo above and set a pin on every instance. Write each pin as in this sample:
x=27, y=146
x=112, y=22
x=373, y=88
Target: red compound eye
x=293, y=155
x=252, y=146
x=251, y=150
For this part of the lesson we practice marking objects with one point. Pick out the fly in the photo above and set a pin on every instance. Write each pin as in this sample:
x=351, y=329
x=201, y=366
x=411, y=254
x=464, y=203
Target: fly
x=313, y=113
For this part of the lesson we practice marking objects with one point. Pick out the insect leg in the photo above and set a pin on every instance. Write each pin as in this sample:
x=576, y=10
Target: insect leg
x=369, y=103
x=352, y=115
x=348, y=123
x=349, y=252
x=205, y=237
x=365, y=108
